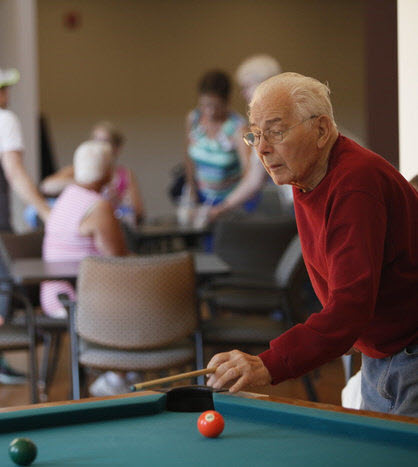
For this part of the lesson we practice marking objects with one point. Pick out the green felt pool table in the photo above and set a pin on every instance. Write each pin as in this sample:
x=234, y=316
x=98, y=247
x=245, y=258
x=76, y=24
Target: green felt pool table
x=138, y=430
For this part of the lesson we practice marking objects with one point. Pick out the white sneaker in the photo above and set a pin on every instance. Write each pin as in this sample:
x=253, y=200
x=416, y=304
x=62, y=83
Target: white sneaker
x=108, y=384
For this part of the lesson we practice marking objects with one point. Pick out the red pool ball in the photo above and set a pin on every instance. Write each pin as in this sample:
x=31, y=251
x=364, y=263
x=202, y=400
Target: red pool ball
x=210, y=424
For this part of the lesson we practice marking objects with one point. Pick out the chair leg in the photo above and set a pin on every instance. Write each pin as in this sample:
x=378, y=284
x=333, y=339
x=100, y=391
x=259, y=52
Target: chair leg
x=310, y=388
x=33, y=374
x=348, y=366
x=83, y=379
x=33, y=365
x=199, y=356
x=43, y=371
x=56, y=348
x=75, y=373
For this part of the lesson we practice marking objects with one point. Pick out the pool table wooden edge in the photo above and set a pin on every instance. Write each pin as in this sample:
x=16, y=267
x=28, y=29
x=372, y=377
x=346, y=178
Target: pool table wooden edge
x=250, y=395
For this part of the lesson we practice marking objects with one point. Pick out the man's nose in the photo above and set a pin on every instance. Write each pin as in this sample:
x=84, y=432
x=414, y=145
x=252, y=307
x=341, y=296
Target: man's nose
x=264, y=147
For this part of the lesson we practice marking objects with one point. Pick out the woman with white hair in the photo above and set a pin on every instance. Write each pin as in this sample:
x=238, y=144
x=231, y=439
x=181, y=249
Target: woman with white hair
x=82, y=222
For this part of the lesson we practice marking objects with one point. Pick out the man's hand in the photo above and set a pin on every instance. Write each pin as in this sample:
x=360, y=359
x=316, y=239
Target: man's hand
x=1, y=320
x=239, y=369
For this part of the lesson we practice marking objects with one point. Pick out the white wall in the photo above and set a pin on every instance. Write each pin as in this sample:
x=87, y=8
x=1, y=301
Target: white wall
x=408, y=86
x=18, y=49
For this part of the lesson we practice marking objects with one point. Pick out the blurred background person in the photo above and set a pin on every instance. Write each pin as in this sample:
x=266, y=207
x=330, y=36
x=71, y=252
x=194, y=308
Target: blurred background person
x=253, y=71
x=82, y=221
x=216, y=155
x=122, y=190
x=13, y=174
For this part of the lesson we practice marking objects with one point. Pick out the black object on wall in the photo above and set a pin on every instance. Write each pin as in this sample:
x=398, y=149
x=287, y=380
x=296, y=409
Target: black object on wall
x=48, y=165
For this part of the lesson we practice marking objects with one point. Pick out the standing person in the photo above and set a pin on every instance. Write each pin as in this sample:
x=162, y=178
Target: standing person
x=216, y=156
x=122, y=190
x=252, y=72
x=13, y=174
x=357, y=222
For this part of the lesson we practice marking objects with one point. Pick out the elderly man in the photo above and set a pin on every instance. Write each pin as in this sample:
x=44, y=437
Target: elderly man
x=357, y=220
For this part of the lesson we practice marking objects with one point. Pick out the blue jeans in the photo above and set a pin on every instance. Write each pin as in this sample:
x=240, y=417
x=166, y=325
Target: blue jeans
x=391, y=384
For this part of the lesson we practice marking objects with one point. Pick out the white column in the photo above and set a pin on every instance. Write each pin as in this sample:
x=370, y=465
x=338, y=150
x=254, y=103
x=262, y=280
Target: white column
x=19, y=49
x=408, y=86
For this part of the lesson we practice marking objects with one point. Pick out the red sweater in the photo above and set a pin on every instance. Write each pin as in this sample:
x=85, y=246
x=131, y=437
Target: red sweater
x=359, y=235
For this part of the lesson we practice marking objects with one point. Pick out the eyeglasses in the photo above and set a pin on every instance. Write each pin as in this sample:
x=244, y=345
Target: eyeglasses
x=271, y=136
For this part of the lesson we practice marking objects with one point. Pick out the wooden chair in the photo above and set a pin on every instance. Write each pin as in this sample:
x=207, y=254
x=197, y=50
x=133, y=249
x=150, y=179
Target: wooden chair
x=134, y=314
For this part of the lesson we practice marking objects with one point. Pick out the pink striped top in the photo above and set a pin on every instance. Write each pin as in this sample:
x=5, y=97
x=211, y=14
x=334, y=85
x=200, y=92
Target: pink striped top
x=63, y=242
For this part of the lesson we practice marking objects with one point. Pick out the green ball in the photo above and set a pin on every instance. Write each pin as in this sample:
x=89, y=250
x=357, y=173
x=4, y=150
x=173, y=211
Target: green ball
x=22, y=451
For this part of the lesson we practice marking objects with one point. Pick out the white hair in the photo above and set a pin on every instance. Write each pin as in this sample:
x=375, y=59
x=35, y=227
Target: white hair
x=257, y=69
x=309, y=96
x=92, y=161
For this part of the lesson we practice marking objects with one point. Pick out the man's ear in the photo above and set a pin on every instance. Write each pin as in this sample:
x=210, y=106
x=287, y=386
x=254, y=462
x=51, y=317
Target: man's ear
x=324, y=130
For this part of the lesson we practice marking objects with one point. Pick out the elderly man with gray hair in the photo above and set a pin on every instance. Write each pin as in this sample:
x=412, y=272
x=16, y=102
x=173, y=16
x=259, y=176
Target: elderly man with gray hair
x=357, y=222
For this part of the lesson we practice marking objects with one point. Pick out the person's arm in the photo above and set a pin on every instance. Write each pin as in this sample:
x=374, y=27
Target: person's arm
x=251, y=183
x=188, y=163
x=105, y=229
x=22, y=184
x=134, y=195
x=354, y=271
x=55, y=183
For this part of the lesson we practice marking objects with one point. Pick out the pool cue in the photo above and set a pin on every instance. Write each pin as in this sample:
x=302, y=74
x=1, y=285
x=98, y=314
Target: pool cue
x=170, y=379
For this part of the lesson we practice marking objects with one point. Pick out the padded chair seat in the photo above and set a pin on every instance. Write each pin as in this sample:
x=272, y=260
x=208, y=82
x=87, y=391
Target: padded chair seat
x=95, y=356
x=43, y=321
x=245, y=300
x=13, y=338
x=251, y=331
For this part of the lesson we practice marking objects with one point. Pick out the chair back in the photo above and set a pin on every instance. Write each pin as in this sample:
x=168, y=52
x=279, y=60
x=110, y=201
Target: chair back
x=136, y=302
x=289, y=261
x=253, y=246
x=15, y=246
x=291, y=275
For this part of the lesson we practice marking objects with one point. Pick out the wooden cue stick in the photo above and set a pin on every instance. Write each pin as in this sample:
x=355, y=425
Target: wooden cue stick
x=170, y=379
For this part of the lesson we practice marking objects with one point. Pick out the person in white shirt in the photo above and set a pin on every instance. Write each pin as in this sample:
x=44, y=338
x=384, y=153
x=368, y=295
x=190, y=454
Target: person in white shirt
x=13, y=174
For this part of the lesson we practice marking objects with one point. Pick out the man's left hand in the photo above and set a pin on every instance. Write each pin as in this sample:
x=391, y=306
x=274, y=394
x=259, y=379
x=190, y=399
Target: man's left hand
x=238, y=369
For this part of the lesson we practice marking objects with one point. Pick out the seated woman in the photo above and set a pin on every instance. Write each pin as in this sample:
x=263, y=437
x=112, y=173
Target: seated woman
x=122, y=190
x=216, y=153
x=82, y=222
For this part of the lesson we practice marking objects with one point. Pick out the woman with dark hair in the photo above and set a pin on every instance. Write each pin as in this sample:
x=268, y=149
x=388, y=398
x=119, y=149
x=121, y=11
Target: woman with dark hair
x=216, y=154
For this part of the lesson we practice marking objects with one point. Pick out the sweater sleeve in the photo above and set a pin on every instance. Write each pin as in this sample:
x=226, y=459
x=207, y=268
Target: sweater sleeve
x=353, y=253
